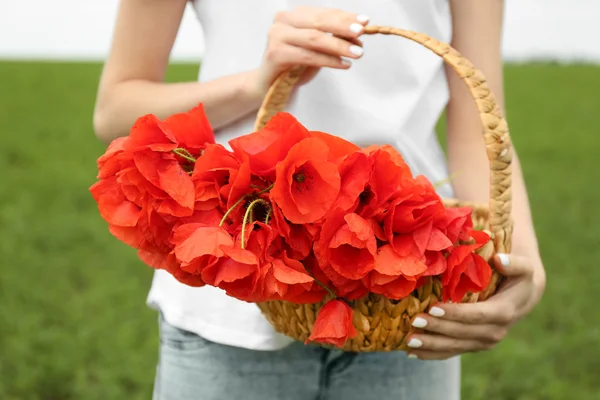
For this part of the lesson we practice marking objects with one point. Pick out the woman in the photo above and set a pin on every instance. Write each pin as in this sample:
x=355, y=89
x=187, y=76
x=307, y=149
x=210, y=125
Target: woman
x=215, y=347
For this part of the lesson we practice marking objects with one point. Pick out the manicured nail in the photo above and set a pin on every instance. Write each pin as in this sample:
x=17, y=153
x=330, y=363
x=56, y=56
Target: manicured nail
x=356, y=28
x=415, y=343
x=362, y=19
x=346, y=61
x=437, y=312
x=413, y=356
x=504, y=259
x=356, y=50
x=419, y=322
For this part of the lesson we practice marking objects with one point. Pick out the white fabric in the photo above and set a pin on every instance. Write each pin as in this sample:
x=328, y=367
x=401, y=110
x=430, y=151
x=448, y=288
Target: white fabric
x=393, y=95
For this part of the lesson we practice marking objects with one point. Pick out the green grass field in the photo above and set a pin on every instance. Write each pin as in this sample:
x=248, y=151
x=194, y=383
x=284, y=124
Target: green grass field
x=73, y=322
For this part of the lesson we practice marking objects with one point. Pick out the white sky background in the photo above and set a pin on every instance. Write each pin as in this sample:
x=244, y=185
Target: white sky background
x=561, y=30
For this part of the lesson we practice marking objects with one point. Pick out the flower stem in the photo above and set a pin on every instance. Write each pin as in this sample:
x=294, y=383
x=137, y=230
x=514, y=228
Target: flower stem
x=244, y=197
x=265, y=190
x=324, y=286
x=248, y=216
x=233, y=207
x=268, y=216
x=318, y=282
x=183, y=153
x=440, y=183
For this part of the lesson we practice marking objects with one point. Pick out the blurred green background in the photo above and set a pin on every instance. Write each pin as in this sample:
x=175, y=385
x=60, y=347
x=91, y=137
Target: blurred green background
x=73, y=320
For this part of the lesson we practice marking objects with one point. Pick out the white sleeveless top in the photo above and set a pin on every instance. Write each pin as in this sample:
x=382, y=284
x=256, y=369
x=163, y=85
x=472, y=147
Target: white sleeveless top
x=393, y=95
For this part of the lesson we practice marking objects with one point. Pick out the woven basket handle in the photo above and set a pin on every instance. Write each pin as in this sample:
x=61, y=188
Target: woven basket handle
x=495, y=128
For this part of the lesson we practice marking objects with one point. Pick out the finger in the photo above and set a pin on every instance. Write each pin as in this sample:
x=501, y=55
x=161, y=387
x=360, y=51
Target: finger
x=511, y=265
x=453, y=329
x=308, y=74
x=337, y=22
x=320, y=42
x=493, y=311
x=355, y=41
x=288, y=55
x=430, y=355
x=446, y=344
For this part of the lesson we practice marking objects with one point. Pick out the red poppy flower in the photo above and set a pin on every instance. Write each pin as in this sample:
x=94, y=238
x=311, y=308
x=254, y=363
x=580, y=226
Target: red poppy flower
x=164, y=171
x=114, y=207
x=299, y=294
x=425, y=245
x=298, y=237
x=202, y=248
x=389, y=173
x=262, y=240
x=355, y=171
x=455, y=223
x=393, y=154
x=190, y=130
x=287, y=279
x=348, y=244
x=169, y=263
x=212, y=176
x=168, y=235
x=147, y=134
x=436, y=263
x=333, y=324
x=338, y=147
x=140, y=228
x=413, y=208
x=393, y=287
x=307, y=183
x=394, y=276
x=388, y=262
x=265, y=148
x=281, y=277
x=349, y=289
x=238, y=194
x=114, y=158
x=236, y=272
x=144, y=185
x=326, y=276
x=208, y=218
x=466, y=271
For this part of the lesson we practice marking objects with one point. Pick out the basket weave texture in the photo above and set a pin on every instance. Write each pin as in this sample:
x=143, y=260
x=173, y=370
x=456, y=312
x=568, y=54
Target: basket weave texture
x=384, y=324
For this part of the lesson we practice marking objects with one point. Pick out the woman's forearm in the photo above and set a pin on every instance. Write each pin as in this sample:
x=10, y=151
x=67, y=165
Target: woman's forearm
x=470, y=167
x=477, y=34
x=225, y=100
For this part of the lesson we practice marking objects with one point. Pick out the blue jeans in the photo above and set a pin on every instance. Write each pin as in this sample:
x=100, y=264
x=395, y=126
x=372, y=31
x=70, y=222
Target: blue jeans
x=191, y=367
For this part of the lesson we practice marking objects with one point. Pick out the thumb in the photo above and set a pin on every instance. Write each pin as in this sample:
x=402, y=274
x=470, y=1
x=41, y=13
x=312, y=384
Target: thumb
x=509, y=265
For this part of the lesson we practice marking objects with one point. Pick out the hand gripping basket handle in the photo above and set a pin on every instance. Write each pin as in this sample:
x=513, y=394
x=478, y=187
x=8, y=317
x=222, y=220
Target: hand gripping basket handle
x=495, y=128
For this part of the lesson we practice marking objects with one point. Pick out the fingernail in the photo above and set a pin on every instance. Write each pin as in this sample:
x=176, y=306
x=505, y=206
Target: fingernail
x=419, y=322
x=362, y=19
x=356, y=50
x=346, y=62
x=415, y=343
x=504, y=259
x=356, y=28
x=412, y=356
x=437, y=312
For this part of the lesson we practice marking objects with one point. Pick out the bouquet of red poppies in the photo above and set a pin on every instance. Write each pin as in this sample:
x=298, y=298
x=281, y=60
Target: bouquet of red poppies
x=284, y=214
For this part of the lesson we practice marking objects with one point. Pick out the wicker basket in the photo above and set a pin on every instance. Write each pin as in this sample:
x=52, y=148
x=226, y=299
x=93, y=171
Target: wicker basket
x=384, y=324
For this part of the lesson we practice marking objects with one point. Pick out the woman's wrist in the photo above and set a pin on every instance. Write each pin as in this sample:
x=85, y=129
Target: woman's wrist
x=229, y=98
x=253, y=87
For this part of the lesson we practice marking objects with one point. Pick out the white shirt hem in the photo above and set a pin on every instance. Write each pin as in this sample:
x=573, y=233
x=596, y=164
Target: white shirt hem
x=218, y=334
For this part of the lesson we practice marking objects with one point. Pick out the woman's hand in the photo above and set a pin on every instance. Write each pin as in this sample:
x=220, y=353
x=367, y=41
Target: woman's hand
x=312, y=36
x=452, y=329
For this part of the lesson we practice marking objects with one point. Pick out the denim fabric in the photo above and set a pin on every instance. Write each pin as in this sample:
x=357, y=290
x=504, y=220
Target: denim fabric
x=191, y=367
